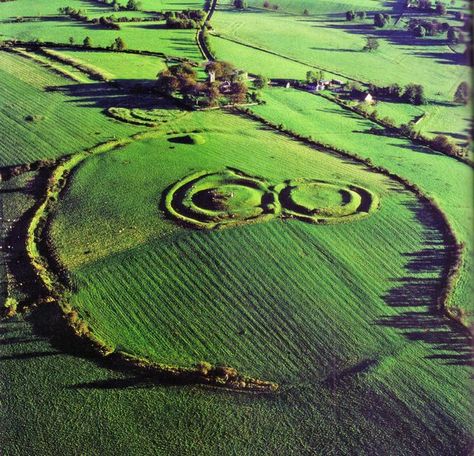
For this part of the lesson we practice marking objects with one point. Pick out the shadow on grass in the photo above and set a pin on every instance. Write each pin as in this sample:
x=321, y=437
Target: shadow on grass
x=48, y=323
x=126, y=93
x=403, y=38
x=415, y=296
x=17, y=259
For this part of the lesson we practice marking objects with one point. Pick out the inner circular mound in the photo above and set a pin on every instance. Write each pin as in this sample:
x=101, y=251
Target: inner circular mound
x=325, y=202
x=221, y=198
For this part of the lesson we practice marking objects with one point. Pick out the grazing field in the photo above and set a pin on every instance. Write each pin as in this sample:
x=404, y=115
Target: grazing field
x=231, y=301
x=323, y=6
x=453, y=121
x=447, y=180
x=257, y=62
x=49, y=25
x=121, y=66
x=204, y=239
x=431, y=119
x=50, y=384
x=59, y=124
x=336, y=46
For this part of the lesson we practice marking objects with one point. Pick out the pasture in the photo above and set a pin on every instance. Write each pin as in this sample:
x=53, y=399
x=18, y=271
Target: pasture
x=44, y=23
x=60, y=124
x=121, y=66
x=209, y=237
x=322, y=7
x=445, y=179
x=231, y=301
x=330, y=42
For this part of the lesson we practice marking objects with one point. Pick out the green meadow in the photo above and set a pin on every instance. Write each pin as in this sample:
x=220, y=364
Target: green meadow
x=336, y=46
x=129, y=66
x=61, y=123
x=180, y=311
x=185, y=237
x=448, y=181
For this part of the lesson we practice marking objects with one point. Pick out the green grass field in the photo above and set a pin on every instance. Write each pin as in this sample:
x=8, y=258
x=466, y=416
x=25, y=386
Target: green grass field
x=52, y=27
x=322, y=7
x=139, y=296
x=102, y=412
x=336, y=45
x=207, y=236
x=65, y=123
x=121, y=66
x=447, y=180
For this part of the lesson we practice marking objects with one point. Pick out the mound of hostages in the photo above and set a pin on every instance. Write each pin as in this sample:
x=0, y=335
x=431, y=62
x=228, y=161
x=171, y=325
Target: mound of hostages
x=229, y=197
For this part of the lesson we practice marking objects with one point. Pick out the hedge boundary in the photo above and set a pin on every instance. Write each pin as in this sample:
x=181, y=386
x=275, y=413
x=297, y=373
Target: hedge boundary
x=56, y=289
x=420, y=140
x=456, y=249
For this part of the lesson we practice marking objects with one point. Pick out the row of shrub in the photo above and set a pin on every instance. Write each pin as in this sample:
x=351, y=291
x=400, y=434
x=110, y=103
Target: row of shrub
x=57, y=290
x=452, y=272
x=132, y=5
x=205, y=42
x=268, y=5
x=79, y=15
x=411, y=93
x=53, y=277
x=440, y=143
x=87, y=44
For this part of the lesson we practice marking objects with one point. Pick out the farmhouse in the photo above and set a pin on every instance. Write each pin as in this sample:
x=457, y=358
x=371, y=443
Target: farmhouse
x=367, y=98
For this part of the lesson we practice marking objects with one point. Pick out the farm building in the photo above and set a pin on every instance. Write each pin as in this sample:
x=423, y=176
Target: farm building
x=367, y=98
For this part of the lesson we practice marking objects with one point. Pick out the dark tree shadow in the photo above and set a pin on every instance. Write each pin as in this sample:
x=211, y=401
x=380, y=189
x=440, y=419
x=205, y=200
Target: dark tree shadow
x=124, y=93
x=415, y=296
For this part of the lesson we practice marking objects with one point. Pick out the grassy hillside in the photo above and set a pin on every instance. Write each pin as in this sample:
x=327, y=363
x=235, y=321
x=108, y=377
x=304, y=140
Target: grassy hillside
x=447, y=180
x=324, y=276
x=121, y=66
x=348, y=317
x=48, y=25
x=104, y=412
x=316, y=7
x=59, y=124
x=336, y=45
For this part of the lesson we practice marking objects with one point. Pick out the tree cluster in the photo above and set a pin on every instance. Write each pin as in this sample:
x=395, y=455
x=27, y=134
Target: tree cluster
x=268, y=5
x=79, y=15
x=188, y=19
x=182, y=79
x=240, y=4
x=73, y=13
x=106, y=22
x=423, y=27
x=132, y=5
x=427, y=6
x=351, y=15
x=314, y=77
x=260, y=82
x=411, y=93
x=462, y=93
x=118, y=45
x=381, y=20
x=372, y=44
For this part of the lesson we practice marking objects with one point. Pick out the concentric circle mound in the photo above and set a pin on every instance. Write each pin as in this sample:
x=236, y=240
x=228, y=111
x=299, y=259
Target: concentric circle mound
x=215, y=199
x=318, y=201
